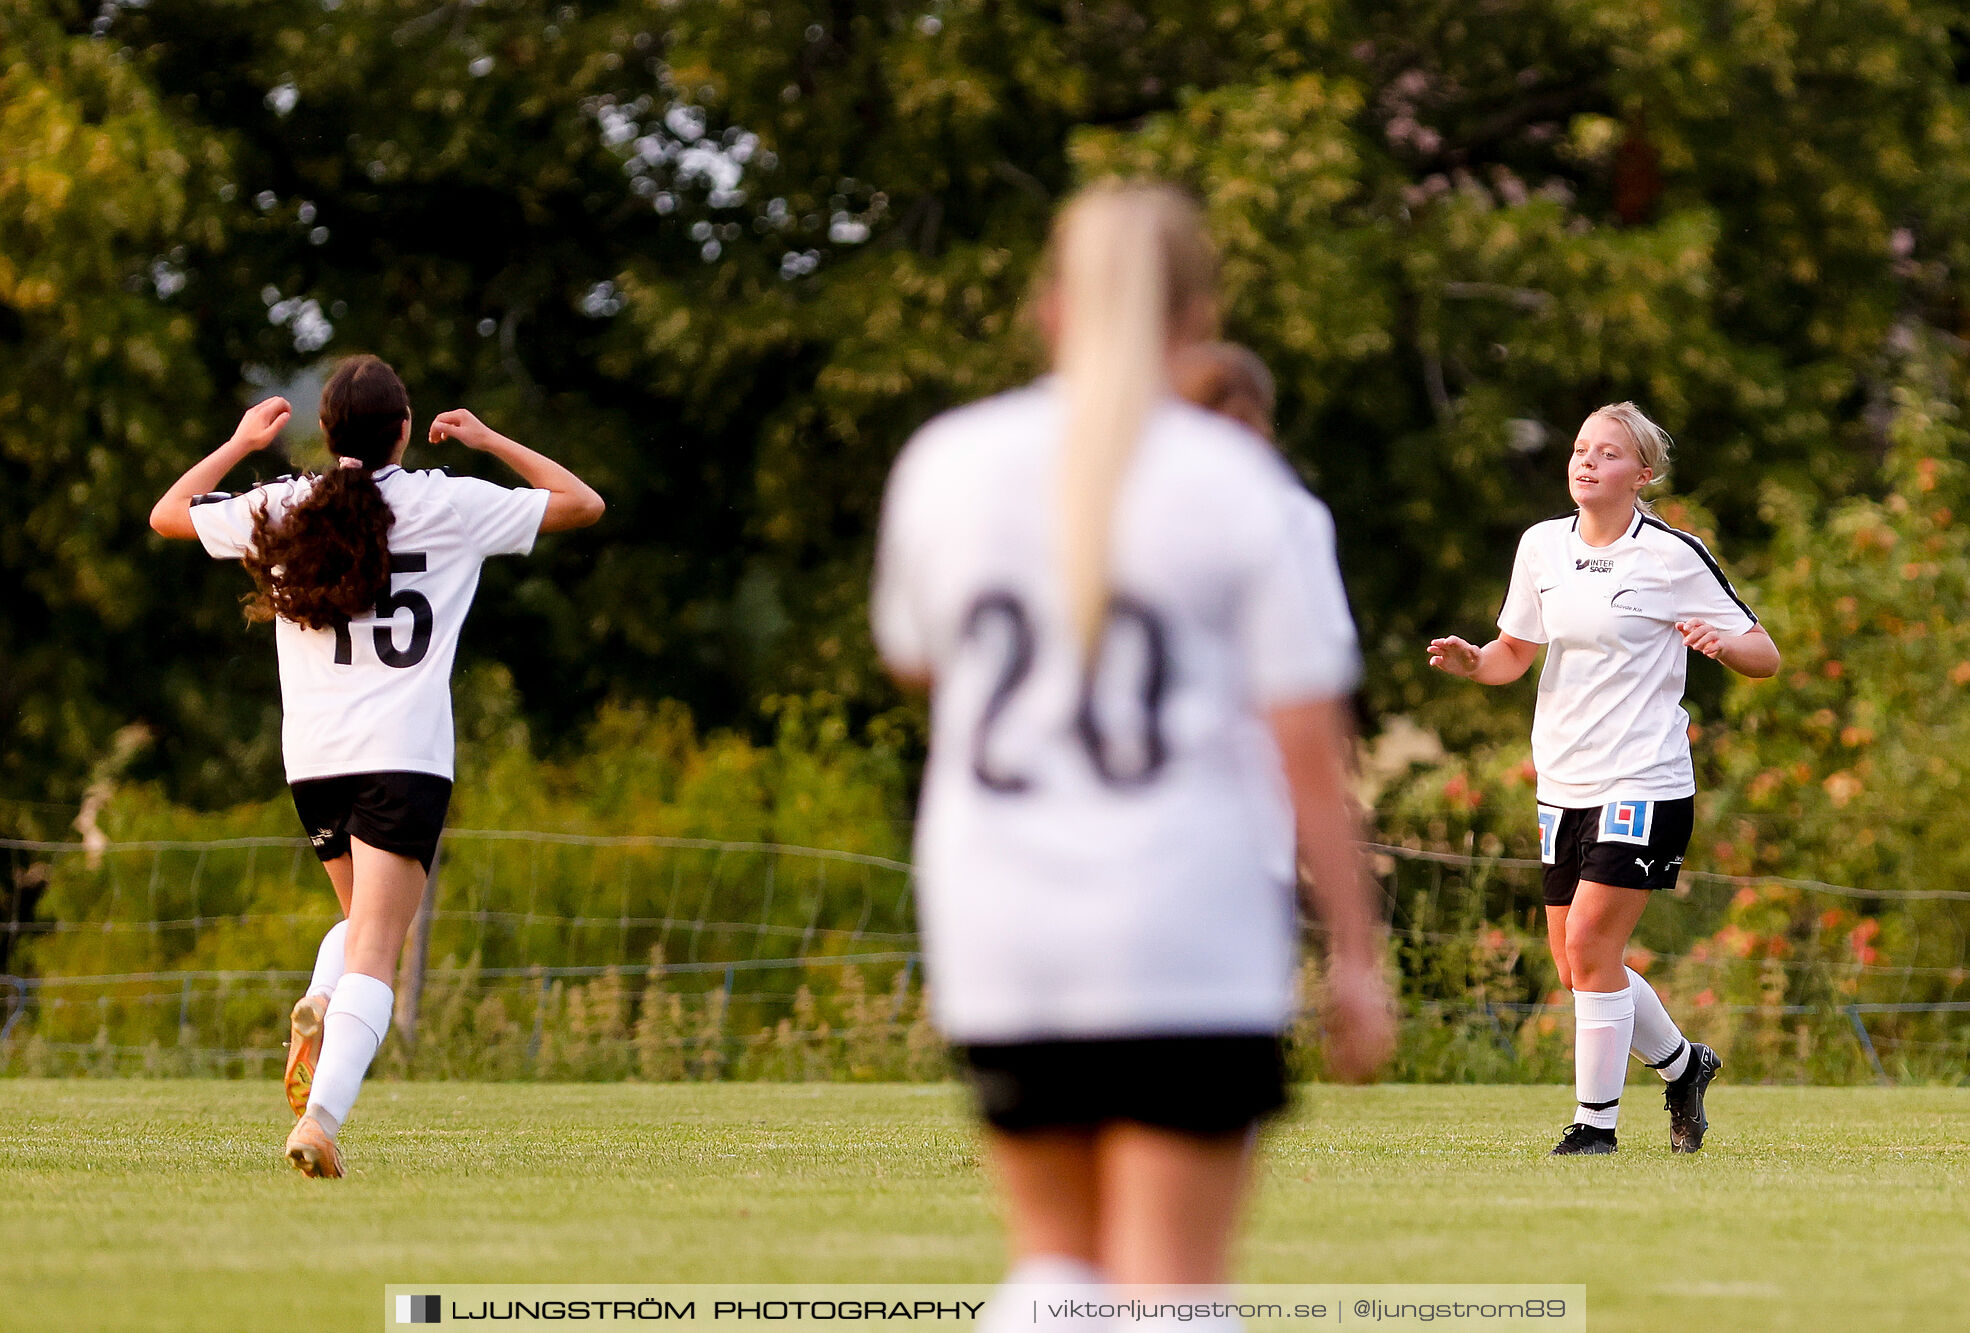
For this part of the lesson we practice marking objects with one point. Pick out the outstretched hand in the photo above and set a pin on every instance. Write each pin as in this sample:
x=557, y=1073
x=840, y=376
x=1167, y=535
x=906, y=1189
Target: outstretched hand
x=1454, y=655
x=459, y=424
x=262, y=423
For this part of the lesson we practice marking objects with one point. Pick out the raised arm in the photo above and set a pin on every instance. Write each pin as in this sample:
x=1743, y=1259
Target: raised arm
x=171, y=516
x=1499, y=662
x=571, y=502
x=1312, y=738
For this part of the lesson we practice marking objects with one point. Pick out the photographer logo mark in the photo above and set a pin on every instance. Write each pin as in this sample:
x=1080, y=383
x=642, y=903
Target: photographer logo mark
x=418, y=1310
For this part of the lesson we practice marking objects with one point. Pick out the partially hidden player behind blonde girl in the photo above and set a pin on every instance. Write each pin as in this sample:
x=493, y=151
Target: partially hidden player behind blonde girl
x=1618, y=598
x=367, y=573
x=1231, y=380
x=1097, y=582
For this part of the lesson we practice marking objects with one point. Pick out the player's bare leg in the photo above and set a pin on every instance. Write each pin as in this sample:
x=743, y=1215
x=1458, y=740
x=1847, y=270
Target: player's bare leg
x=383, y=901
x=342, y=878
x=386, y=891
x=1047, y=1178
x=1597, y=929
x=1169, y=1203
x=1603, y=939
x=1556, y=943
x=1694, y=1064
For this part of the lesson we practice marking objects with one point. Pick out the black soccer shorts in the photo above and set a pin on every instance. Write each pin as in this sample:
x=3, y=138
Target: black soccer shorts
x=402, y=813
x=1629, y=844
x=1194, y=1084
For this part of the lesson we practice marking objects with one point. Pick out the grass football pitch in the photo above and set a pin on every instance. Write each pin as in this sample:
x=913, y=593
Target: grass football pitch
x=166, y=1205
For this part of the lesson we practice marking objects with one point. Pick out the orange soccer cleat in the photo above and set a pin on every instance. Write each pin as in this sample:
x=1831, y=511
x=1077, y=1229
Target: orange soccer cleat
x=313, y=1152
x=303, y=1050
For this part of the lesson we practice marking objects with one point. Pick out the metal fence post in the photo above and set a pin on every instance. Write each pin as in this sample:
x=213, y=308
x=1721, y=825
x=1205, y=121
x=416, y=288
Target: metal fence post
x=416, y=957
x=1853, y=1013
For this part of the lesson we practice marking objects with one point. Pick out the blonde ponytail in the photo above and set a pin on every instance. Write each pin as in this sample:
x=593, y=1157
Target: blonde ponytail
x=1131, y=269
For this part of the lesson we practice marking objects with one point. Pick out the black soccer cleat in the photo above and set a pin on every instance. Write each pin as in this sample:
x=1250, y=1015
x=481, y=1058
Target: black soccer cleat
x=1585, y=1141
x=1684, y=1098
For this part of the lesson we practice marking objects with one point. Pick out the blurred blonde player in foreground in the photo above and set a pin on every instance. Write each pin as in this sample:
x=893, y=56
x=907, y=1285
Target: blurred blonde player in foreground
x=1098, y=584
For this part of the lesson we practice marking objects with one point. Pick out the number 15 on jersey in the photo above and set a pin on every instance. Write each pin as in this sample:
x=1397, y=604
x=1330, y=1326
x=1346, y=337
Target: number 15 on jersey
x=388, y=603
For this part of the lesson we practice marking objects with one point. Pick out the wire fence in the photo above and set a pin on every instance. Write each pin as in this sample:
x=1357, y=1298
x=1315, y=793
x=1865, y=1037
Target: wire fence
x=1793, y=979
x=577, y=956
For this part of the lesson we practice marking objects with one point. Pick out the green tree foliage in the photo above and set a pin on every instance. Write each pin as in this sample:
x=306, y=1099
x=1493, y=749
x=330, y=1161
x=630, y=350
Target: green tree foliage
x=1455, y=229
x=106, y=196
x=1849, y=764
x=723, y=257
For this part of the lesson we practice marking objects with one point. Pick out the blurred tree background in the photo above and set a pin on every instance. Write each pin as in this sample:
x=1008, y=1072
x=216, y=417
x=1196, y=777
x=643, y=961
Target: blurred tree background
x=724, y=257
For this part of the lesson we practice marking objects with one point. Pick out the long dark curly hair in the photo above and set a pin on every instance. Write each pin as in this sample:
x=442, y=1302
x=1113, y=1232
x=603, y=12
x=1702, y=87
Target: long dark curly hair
x=327, y=559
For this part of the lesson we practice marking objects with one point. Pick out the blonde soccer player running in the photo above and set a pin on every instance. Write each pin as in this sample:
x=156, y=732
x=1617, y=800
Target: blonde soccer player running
x=1097, y=583
x=367, y=572
x=1618, y=598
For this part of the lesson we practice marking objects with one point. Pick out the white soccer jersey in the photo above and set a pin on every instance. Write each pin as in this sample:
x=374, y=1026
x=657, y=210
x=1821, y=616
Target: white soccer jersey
x=1102, y=858
x=1610, y=723
x=375, y=697
x=1311, y=529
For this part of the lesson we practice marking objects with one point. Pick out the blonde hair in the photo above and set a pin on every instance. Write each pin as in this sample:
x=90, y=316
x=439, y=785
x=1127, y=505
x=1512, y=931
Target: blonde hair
x=1652, y=443
x=1130, y=267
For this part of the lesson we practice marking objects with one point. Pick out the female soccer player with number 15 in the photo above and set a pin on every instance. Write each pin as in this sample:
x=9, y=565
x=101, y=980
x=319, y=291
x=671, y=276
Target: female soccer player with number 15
x=367, y=573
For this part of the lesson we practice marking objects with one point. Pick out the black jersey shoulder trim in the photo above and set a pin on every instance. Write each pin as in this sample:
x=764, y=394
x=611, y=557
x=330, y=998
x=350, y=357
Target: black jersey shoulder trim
x=220, y=497
x=1703, y=554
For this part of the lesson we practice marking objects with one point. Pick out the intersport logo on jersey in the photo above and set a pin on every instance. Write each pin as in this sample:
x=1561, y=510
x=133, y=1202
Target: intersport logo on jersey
x=1602, y=565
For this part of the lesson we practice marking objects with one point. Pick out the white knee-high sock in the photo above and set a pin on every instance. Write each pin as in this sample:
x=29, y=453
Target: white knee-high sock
x=358, y=1018
x=1659, y=1043
x=1048, y=1279
x=329, y=965
x=1603, y=1026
